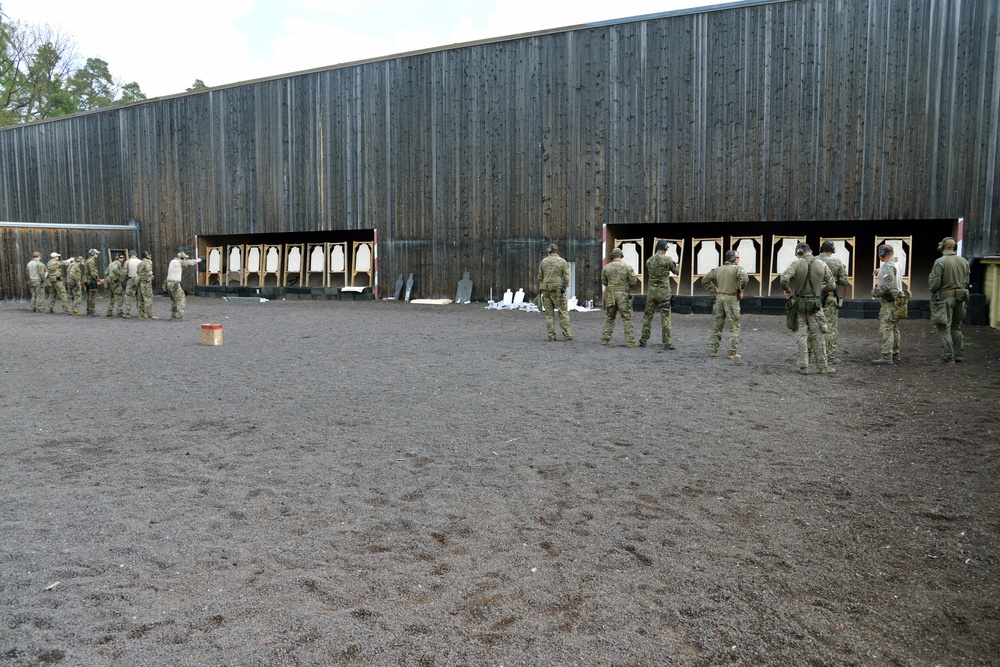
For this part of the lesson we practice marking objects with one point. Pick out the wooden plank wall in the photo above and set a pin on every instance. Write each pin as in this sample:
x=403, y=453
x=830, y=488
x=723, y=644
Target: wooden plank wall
x=473, y=158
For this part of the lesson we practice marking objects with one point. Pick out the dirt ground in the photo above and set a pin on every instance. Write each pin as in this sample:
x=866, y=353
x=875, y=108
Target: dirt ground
x=350, y=483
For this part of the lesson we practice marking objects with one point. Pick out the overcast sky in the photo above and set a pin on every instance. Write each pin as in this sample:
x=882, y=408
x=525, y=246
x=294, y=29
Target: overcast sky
x=165, y=46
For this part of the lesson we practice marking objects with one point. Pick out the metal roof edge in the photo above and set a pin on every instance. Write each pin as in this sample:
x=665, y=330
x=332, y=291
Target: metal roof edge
x=132, y=226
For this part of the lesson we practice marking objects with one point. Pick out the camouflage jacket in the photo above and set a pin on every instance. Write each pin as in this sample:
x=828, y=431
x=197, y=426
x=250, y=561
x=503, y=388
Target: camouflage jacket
x=806, y=277
x=658, y=269
x=885, y=287
x=91, y=274
x=74, y=273
x=837, y=269
x=618, y=276
x=145, y=270
x=55, y=269
x=114, y=276
x=553, y=272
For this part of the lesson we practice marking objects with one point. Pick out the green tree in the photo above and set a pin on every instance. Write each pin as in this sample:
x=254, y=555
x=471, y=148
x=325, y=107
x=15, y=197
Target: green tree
x=197, y=85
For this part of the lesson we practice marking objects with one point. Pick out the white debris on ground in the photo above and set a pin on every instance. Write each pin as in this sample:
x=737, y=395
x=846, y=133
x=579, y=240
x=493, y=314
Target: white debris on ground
x=512, y=301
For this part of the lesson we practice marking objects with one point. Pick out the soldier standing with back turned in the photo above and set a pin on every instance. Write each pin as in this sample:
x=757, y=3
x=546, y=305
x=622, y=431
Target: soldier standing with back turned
x=144, y=274
x=74, y=283
x=949, y=283
x=54, y=287
x=832, y=300
x=806, y=280
x=114, y=278
x=888, y=286
x=131, y=283
x=553, y=278
x=727, y=283
x=618, y=278
x=36, y=277
x=658, y=270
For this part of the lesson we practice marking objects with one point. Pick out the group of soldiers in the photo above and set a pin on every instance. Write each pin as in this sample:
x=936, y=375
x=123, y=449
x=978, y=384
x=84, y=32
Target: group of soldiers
x=127, y=281
x=811, y=285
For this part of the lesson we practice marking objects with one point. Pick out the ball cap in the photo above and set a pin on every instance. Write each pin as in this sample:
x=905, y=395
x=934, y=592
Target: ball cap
x=54, y=255
x=617, y=252
x=36, y=254
x=182, y=255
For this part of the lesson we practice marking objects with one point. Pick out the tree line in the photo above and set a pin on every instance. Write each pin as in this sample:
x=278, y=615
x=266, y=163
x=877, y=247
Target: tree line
x=43, y=76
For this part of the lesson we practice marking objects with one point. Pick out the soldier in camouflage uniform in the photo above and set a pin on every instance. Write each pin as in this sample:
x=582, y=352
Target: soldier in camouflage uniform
x=553, y=278
x=806, y=280
x=658, y=270
x=36, y=276
x=114, y=279
x=74, y=283
x=92, y=279
x=949, y=282
x=145, y=276
x=888, y=286
x=831, y=300
x=54, y=287
x=727, y=283
x=618, y=278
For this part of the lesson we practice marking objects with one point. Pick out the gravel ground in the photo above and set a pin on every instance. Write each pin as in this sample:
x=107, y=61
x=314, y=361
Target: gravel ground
x=348, y=483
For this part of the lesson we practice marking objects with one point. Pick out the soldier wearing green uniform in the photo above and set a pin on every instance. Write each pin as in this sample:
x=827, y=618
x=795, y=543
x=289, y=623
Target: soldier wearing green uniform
x=553, y=278
x=831, y=300
x=888, y=286
x=658, y=270
x=727, y=283
x=145, y=275
x=36, y=277
x=131, y=283
x=74, y=283
x=114, y=279
x=949, y=282
x=92, y=279
x=806, y=280
x=618, y=278
x=54, y=287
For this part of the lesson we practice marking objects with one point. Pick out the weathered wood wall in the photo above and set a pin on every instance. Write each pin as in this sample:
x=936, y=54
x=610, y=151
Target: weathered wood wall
x=472, y=158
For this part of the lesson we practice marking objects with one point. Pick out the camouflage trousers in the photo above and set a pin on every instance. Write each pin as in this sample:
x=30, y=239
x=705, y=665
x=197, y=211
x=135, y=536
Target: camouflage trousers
x=656, y=300
x=145, y=299
x=726, y=308
x=554, y=298
x=832, y=313
x=131, y=294
x=116, y=297
x=888, y=327
x=75, y=292
x=618, y=303
x=56, y=290
x=37, y=294
x=811, y=336
x=948, y=325
x=177, y=299
x=92, y=299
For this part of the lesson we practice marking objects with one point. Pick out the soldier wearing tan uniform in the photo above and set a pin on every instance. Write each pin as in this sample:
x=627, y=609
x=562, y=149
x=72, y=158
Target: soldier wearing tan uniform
x=727, y=283
x=806, y=280
x=553, y=278
x=74, y=283
x=54, y=286
x=618, y=278
x=36, y=277
x=831, y=300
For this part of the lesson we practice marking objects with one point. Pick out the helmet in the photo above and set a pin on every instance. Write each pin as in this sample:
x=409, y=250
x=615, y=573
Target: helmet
x=617, y=252
x=93, y=251
x=182, y=255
